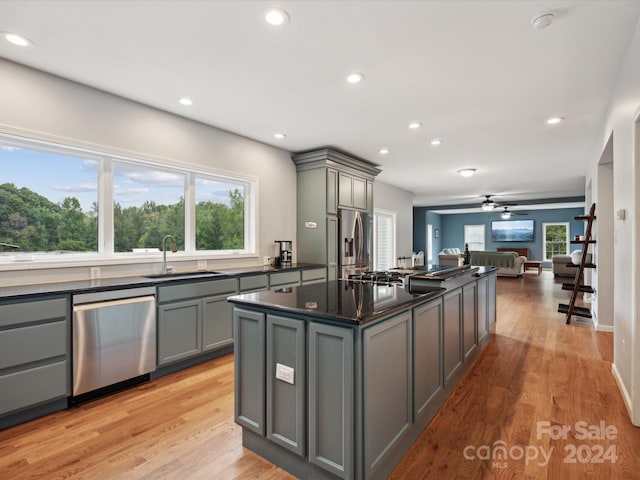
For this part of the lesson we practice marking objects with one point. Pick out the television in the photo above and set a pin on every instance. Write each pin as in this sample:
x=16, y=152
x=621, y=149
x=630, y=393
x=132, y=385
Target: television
x=512, y=231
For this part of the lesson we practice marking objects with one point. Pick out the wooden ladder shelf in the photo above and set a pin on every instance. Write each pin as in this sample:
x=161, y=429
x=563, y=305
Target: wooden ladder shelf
x=577, y=286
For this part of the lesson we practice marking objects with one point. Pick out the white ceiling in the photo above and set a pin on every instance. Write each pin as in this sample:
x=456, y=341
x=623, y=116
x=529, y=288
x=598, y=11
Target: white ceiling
x=474, y=73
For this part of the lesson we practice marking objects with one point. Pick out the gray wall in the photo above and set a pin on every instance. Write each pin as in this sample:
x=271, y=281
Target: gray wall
x=44, y=106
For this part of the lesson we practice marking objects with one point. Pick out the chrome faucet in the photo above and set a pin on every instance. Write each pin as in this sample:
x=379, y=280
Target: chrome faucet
x=174, y=249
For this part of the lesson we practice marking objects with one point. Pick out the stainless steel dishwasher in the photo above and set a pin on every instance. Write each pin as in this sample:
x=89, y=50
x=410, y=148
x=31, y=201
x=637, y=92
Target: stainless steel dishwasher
x=114, y=337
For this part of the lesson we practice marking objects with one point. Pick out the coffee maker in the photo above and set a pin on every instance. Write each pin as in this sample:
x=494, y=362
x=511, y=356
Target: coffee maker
x=284, y=253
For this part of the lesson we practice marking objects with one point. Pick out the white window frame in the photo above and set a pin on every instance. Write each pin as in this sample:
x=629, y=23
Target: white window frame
x=466, y=230
x=567, y=225
x=105, y=254
x=392, y=241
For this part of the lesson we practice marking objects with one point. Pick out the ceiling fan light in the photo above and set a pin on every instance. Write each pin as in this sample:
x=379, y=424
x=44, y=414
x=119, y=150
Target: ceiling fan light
x=467, y=172
x=488, y=206
x=505, y=215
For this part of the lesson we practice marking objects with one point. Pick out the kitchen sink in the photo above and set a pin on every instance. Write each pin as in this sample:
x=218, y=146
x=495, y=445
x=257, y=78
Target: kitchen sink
x=182, y=275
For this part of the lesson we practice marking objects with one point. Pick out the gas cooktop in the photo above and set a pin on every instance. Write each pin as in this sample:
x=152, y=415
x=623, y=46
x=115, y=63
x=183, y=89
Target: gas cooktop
x=397, y=275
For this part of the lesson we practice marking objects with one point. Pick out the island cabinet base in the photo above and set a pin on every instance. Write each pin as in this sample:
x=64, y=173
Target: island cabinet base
x=339, y=400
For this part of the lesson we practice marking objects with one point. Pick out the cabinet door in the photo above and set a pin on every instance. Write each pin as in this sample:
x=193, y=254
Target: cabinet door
x=330, y=381
x=428, y=381
x=452, y=329
x=286, y=383
x=481, y=319
x=359, y=193
x=469, y=318
x=491, y=300
x=332, y=191
x=217, y=323
x=345, y=190
x=387, y=390
x=179, y=331
x=249, y=369
x=332, y=248
x=370, y=197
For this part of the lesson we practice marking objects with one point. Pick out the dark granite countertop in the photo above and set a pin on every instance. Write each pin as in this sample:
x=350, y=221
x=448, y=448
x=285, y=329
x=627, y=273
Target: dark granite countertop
x=84, y=286
x=354, y=303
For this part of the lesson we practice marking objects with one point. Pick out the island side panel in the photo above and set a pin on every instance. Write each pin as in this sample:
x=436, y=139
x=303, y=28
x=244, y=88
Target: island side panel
x=330, y=377
x=249, y=373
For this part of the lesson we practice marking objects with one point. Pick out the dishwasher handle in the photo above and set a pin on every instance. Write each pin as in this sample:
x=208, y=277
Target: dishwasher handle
x=113, y=303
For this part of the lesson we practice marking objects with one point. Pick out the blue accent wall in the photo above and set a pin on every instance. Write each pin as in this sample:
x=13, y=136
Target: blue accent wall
x=452, y=228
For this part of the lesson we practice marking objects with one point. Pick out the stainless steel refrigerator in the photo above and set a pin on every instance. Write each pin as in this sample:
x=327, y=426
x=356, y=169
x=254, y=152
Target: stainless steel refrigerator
x=354, y=238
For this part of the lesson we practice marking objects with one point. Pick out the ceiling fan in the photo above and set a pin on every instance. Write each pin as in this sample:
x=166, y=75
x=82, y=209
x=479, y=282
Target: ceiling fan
x=507, y=214
x=488, y=204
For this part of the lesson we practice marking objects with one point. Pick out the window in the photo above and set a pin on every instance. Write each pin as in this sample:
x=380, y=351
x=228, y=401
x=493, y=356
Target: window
x=474, y=236
x=384, y=248
x=556, y=239
x=49, y=204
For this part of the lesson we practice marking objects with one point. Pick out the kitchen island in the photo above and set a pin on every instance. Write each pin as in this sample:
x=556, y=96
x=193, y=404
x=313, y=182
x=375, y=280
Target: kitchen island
x=338, y=379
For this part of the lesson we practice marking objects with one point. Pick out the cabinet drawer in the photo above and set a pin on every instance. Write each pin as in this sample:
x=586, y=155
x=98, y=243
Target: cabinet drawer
x=317, y=274
x=33, y=386
x=27, y=312
x=284, y=278
x=30, y=344
x=254, y=282
x=170, y=293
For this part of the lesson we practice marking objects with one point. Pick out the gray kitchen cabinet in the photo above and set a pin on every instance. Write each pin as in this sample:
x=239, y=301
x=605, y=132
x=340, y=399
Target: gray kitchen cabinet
x=179, y=331
x=388, y=389
x=332, y=191
x=284, y=279
x=254, y=283
x=482, y=310
x=194, y=318
x=332, y=248
x=217, y=323
x=34, y=358
x=452, y=329
x=316, y=275
x=469, y=335
x=491, y=299
x=428, y=381
x=286, y=383
x=326, y=180
x=331, y=397
x=249, y=370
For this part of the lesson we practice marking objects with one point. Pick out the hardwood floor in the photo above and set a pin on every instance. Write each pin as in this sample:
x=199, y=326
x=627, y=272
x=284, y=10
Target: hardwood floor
x=535, y=369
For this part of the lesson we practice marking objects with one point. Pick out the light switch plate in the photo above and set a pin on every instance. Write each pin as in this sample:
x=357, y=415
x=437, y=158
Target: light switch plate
x=202, y=264
x=284, y=373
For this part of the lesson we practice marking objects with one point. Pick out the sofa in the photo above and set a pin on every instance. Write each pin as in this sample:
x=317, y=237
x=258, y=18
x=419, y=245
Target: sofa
x=561, y=264
x=510, y=264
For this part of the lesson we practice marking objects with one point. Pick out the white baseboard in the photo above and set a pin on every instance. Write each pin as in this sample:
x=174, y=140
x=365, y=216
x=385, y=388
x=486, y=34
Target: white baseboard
x=623, y=390
x=603, y=328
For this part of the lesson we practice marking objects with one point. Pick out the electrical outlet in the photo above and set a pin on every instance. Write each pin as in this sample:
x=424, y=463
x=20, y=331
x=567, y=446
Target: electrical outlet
x=95, y=273
x=202, y=264
x=265, y=260
x=284, y=373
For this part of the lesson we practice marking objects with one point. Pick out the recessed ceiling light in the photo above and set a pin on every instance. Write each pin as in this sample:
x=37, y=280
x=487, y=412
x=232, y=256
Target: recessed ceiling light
x=276, y=17
x=383, y=151
x=279, y=136
x=17, y=39
x=542, y=21
x=355, y=77
x=435, y=142
x=467, y=172
x=555, y=120
x=186, y=101
x=414, y=125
